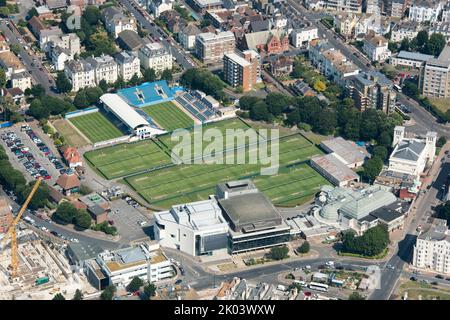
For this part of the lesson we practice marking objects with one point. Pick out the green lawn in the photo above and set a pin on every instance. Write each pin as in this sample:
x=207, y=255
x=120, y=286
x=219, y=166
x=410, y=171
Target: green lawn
x=169, y=116
x=147, y=167
x=96, y=127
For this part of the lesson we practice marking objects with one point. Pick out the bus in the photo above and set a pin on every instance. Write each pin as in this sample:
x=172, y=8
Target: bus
x=318, y=286
x=397, y=88
x=299, y=282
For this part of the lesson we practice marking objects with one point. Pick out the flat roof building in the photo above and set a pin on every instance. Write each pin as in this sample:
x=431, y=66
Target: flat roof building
x=346, y=151
x=254, y=221
x=196, y=228
x=242, y=70
x=211, y=47
x=434, y=80
x=334, y=170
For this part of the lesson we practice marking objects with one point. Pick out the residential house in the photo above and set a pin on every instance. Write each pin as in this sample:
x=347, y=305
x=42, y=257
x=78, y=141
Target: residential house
x=80, y=73
x=425, y=10
x=157, y=7
x=105, y=68
x=16, y=94
x=376, y=47
x=116, y=21
x=404, y=30
x=21, y=80
x=59, y=56
x=302, y=37
x=187, y=36
x=71, y=156
x=130, y=40
x=345, y=24
x=282, y=66
x=128, y=65
x=155, y=56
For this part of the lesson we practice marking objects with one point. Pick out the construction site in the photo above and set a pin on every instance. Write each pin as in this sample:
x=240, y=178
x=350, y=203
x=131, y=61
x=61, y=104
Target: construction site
x=42, y=271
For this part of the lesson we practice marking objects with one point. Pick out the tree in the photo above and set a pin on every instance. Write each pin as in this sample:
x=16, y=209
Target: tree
x=293, y=118
x=149, y=291
x=37, y=91
x=393, y=46
x=103, y=85
x=4, y=12
x=32, y=13
x=62, y=83
x=380, y=152
x=304, y=248
x=80, y=101
x=78, y=295
x=2, y=78
x=40, y=198
x=135, y=284
x=259, y=111
x=108, y=293
x=443, y=211
x=373, y=242
x=82, y=219
x=441, y=141
x=246, y=102
x=15, y=47
x=372, y=168
x=120, y=83
x=422, y=38
x=356, y=296
x=167, y=75
x=58, y=296
x=435, y=44
x=277, y=102
x=149, y=75
x=92, y=15
x=319, y=86
x=279, y=253
x=134, y=80
x=405, y=45
x=65, y=213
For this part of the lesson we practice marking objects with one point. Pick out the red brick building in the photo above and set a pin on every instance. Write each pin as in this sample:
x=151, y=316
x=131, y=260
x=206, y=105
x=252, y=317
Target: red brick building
x=266, y=42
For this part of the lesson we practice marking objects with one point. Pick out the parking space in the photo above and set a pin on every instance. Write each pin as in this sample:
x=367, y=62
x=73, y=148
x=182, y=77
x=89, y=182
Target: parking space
x=130, y=222
x=48, y=164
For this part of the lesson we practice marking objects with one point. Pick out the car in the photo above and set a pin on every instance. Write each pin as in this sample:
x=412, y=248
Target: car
x=178, y=281
x=438, y=276
x=413, y=279
x=41, y=69
x=447, y=279
x=142, y=223
x=434, y=283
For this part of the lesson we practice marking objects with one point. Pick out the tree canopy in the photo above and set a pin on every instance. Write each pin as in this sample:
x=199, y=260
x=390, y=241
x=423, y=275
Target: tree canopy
x=279, y=253
x=135, y=284
x=373, y=242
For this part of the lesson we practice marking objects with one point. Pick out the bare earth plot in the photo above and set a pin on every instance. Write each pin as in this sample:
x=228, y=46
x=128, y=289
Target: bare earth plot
x=72, y=137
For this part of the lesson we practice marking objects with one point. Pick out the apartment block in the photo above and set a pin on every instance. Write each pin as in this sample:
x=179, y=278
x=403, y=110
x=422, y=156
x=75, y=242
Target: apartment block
x=242, y=70
x=425, y=10
x=344, y=5
x=376, y=47
x=80, y=73
x=434, y=80
x=128, y=65
x=105, y=68
x=212, y=47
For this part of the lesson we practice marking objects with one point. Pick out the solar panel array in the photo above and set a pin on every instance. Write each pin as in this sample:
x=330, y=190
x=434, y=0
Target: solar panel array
x=195, y=107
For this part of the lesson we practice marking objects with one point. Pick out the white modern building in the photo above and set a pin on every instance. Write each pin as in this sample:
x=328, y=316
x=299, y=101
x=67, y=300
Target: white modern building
x=425, y=10
x=432, y=249
x=145, y=261
x=136, y=124
x=116, y=21
x=80, y=74
x=105, y=68
x=302, y=37
x=155, y=56
x=376, y=47
x=196, y=228
x=411, y=155
x=128, y=65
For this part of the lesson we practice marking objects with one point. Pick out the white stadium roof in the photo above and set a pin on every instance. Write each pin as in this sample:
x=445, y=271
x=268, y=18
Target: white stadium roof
x=123, y=111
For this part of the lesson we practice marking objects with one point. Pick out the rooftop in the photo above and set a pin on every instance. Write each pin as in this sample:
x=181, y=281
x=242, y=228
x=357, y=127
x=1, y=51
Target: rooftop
x=333, y=166
x=443, y=60
x=201, y=215
x=130, y=257
x=122, y=110
x=345, y=150
x=250, y=212
x=409, y=149
x=238, y=59
x=416, y=56
x=68, y=181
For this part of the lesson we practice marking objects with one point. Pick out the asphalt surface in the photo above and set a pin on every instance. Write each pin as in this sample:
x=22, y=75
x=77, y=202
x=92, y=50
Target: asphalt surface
x=158, y=32
x=39, y=76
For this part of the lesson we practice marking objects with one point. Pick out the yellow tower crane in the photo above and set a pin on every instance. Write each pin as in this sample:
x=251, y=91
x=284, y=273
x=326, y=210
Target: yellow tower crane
x=12, y=231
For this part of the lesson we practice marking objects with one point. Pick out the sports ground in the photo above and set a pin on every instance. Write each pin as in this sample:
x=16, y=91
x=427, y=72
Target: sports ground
x=147, y=167
x=169, y=116
x=96, y=127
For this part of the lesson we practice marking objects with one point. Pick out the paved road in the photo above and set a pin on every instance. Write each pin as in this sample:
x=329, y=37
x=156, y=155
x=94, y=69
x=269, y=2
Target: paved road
x=405, y=247
x=144, y=21
x=40, y=76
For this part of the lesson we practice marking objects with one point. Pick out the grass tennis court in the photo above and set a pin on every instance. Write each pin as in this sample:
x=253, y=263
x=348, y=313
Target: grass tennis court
x=169, y=116
x=146, y=166
x=96, y=127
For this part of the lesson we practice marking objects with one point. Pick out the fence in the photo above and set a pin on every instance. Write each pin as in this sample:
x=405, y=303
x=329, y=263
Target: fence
x=111, y=142
x=78, y=113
